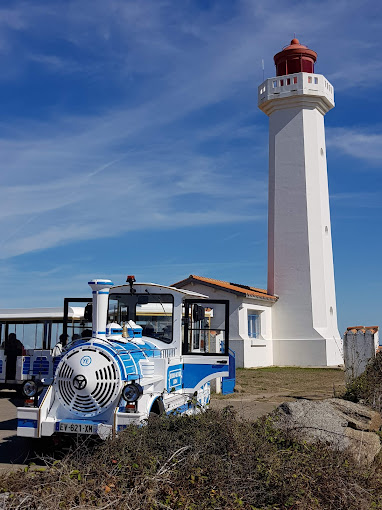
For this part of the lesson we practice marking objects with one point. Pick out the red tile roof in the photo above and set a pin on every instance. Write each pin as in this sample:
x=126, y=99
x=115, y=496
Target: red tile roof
x=363, y=329
x=235, y=288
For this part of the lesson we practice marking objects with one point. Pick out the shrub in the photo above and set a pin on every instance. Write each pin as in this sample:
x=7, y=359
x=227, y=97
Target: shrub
x=368, y=386
x=210, y=461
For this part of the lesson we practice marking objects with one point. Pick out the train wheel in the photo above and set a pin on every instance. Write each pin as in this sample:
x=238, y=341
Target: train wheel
x=157, y=409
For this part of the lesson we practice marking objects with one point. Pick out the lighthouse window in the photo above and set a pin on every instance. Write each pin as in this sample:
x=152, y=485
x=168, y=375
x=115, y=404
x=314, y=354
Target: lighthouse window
x=316, y=81
x=309, y=79
x=295, y=79
x=275, y=84
x=288, y=81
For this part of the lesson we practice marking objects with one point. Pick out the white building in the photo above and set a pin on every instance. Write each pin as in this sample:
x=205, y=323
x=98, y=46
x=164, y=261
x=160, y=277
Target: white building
x=250, y=320
x=300, y=327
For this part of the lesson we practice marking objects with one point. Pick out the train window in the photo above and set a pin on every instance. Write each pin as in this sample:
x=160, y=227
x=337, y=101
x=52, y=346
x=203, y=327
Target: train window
x=31, y=334
x=76, y=327
x=205, y=327
x=153, y=312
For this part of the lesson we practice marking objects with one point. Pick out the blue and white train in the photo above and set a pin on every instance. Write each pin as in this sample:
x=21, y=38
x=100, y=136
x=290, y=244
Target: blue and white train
x=153, y=350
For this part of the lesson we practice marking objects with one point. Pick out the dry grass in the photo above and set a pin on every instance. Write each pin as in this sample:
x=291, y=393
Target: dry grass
x=259, y=391
x=300, y=382
x=208, y=462
x=211, y=461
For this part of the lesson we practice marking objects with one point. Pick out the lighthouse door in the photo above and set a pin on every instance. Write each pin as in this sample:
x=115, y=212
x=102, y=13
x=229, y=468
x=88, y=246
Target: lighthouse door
x=205, y=341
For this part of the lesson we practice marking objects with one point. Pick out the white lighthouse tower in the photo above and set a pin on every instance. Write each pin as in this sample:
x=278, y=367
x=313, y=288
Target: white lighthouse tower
x=300, y=259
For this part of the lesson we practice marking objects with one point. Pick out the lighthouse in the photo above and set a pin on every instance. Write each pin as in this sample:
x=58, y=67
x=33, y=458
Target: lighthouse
x=300, y=257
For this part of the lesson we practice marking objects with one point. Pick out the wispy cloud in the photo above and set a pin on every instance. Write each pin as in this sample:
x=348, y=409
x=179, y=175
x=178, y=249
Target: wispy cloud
x=57, y=64
x=157, y=188
x=66, y=280
x=362, y=197
x=150, y=118
x=358, y=143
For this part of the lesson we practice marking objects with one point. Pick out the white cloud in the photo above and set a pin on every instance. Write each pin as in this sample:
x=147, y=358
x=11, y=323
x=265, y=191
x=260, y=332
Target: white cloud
x=28, y=289
x=362, y=197
x=145, y=154
x=11, y=19
x=358, y=143
x=165, y=190
x=172, y=38
x=57, y=64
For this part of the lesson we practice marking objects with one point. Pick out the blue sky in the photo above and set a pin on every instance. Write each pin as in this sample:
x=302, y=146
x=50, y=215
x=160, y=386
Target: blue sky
x=131, y=142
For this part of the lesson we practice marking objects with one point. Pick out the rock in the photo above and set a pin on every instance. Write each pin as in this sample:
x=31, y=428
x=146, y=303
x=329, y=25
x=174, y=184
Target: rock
x=341, y=424
x=238, y=388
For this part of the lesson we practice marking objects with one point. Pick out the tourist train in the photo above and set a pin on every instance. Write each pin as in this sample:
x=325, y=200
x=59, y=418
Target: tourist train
x=151, y=350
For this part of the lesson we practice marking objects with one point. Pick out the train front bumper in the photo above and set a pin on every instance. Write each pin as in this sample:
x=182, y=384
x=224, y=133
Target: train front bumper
x=30, y=424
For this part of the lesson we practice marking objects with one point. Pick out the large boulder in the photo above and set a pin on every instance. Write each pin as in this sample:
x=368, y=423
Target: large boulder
x=340, y=424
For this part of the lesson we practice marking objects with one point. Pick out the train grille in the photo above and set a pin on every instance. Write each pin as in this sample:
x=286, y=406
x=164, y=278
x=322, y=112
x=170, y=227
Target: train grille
x=87, y=381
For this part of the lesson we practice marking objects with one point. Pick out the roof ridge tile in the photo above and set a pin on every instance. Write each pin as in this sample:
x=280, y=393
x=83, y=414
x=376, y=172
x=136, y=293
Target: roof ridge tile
x=243, y=289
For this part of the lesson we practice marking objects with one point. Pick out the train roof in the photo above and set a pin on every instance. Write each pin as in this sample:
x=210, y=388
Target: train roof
x=11, y=314
x=157, y=286
x=40, y=313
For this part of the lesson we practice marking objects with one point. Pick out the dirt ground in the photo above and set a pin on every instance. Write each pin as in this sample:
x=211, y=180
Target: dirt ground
x=259, y=391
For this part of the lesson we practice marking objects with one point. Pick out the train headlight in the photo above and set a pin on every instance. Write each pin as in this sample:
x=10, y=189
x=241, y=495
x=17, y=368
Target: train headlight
x=32, y=388
x=132, y=392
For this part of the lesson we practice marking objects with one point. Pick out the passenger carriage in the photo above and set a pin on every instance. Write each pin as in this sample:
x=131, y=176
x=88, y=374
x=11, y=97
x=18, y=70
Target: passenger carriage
x=34, y=333
x=153, y=350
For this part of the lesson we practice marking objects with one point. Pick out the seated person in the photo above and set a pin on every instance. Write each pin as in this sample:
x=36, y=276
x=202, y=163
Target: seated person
x=12, y=348
x=167, y=332
x=87, y=333
x=57, y=349
x=76, y=339
x=148, y=330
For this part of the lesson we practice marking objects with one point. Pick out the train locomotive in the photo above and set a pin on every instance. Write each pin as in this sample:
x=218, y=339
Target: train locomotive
x=153, y=350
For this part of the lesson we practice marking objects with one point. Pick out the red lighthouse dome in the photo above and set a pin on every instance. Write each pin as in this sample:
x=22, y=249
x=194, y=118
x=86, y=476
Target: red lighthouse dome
x=295, y=58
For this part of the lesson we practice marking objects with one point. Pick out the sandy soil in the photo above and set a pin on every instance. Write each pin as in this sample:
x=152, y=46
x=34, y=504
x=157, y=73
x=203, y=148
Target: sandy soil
x=259, y=391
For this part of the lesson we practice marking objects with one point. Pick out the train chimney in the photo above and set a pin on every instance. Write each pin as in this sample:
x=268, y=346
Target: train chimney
x=100, y=289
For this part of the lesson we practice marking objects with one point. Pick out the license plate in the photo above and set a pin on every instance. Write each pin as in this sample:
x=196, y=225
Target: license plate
x=77, y=428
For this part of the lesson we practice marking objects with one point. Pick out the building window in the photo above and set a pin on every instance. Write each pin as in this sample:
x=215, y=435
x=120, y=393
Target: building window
x=253, y=325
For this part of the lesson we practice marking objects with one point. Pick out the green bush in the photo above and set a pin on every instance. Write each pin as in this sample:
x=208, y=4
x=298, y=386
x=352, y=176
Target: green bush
x=368, y=386
x=210, y=461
